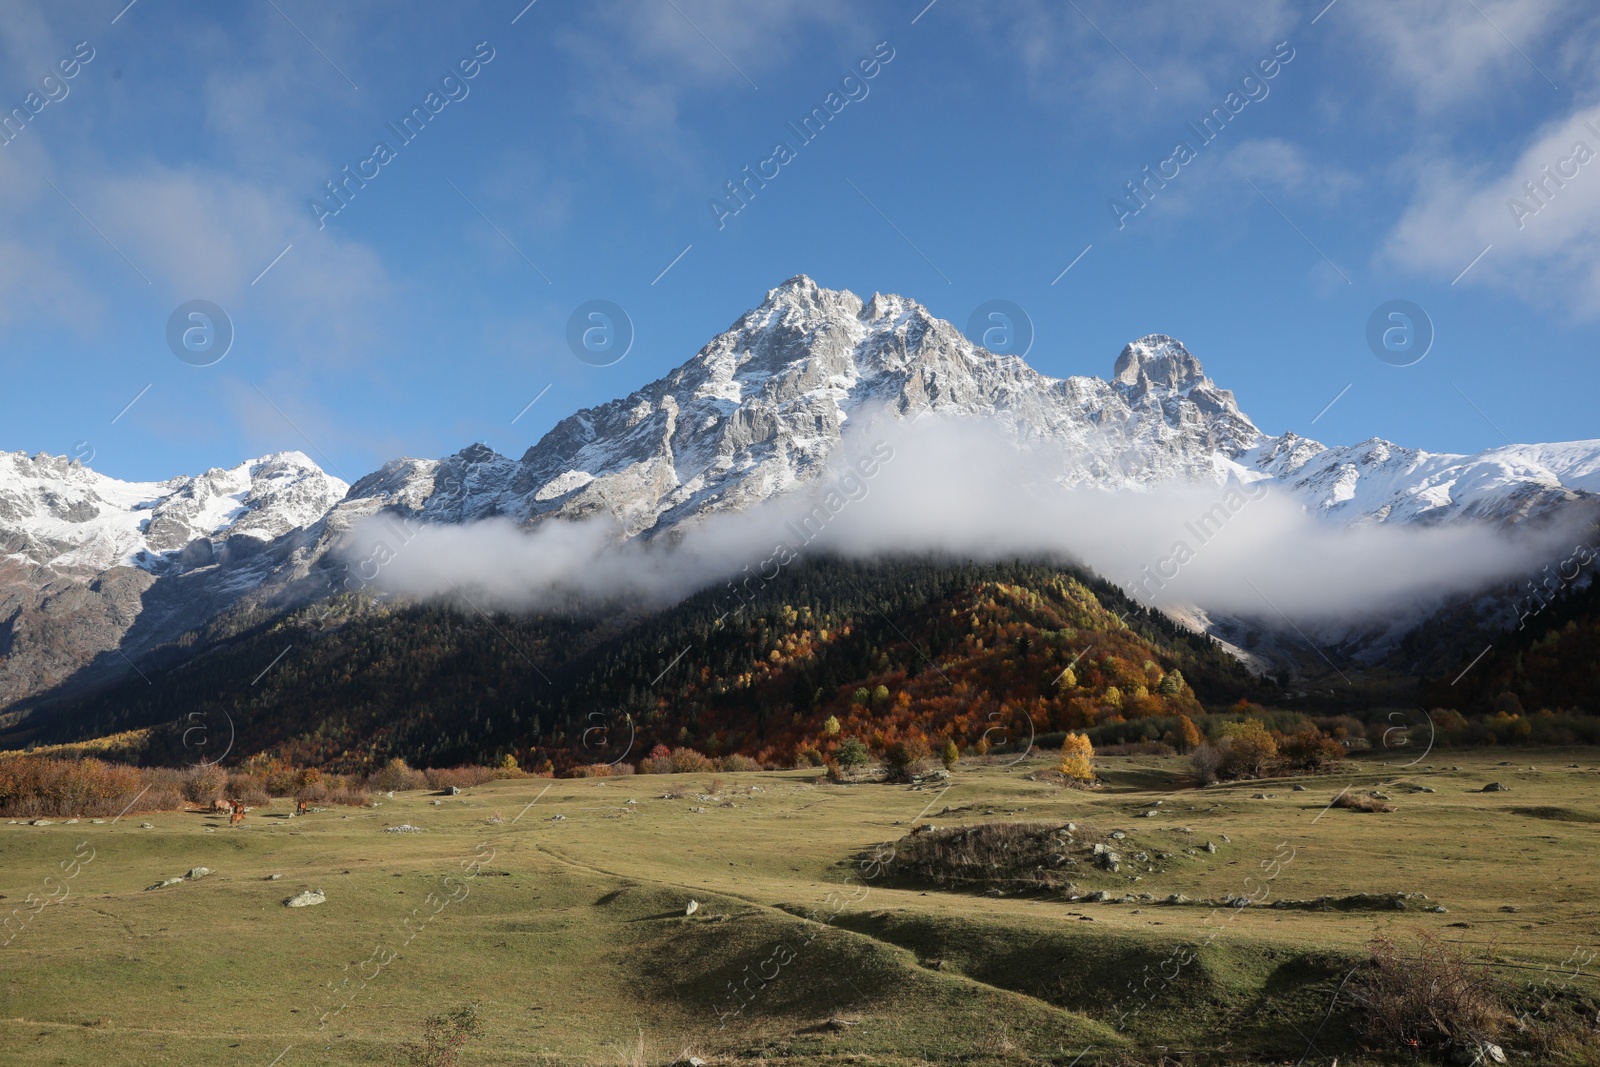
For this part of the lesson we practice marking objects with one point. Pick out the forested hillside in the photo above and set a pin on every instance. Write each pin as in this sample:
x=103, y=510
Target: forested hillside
x=976, y=653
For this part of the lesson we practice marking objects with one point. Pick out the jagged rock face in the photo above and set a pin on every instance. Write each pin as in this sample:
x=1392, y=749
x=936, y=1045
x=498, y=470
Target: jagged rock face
x=762, y=409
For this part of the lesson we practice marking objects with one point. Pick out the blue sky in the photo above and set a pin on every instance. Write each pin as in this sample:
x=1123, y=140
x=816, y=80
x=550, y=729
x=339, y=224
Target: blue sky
x=577, y=163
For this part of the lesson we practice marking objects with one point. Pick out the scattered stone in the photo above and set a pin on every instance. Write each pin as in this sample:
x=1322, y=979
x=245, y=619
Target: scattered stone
x=1149, y=814
x=306, y=899
x=1260, y=796
x=1177, y=898
x=1210, y=846
x=437, y=803
x=1478, y=1054
x=1425, y=789
x=46, y=822
x=556, y=818
x=1299, y=789
x=70, y=822
x=197, y=872
x=698, y=811
x=1509, y=908
x=272, y=877
x=1116, y=835
x=98, y=822
x=450, y=791
x=147, y=826
x=1228, y=839
x=1099, y=896
x=925, y=828
x=1141, y=857
x=1070, y=828
x=403, y=828
x=836, y=1024
x=630, y=800
x=164, y=883
x=1109, y=861
x=1494, y=787
x=692, y=907
x=1439, y=909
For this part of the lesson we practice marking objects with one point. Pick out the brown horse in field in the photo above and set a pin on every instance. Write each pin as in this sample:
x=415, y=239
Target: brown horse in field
x=237, y=815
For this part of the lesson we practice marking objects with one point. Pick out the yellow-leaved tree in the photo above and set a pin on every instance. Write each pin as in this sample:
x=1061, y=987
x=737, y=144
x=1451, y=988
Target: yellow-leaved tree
x=1188, y=733
x=1077, y=758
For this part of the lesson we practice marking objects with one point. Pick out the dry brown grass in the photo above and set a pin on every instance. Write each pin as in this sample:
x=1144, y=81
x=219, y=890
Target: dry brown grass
x=1361, y=802
x=1005, y=855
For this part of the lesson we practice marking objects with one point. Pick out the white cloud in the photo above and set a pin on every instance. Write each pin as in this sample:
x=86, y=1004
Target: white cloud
x=960, y=489
x=1103, y=52
x=1543, y=245
x=1443, y=52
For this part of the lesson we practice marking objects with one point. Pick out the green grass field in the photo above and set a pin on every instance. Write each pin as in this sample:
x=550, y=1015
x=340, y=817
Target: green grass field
x=570, y=933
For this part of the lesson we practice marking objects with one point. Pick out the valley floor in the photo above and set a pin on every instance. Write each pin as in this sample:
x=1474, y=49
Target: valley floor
x=559, y=908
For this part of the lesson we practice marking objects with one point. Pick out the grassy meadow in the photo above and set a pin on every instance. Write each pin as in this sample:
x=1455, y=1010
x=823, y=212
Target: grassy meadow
x=559, y=909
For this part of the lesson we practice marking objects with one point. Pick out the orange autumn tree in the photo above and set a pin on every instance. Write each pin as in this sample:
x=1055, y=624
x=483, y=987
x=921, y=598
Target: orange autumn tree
x=1077, y=758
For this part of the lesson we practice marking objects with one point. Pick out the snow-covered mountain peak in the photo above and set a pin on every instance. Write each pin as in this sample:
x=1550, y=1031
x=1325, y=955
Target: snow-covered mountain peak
x=1158, y=360
x=58, y=513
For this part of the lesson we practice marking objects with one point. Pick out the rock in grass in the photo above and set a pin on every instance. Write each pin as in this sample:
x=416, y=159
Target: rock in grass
x=164, y=883
x=197, y=872
x=692, y=907
x=1210, y=846
x=306, y=899
x=1494, y=787
x=403, y=828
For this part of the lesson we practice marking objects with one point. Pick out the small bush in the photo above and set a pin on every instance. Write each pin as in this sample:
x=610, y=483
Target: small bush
x=734, y=762
x=907, y=756
x=807, y=756
x=1425, y=998
x=443, y=1037
x=688, y=761
x=1205, y=761
x=398, y=775
x=204, y=783
x=592, y=770
x=853, y=753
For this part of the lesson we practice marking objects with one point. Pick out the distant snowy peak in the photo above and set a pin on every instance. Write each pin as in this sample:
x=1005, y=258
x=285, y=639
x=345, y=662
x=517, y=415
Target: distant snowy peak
x=1379, y=481
x=57, y=513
